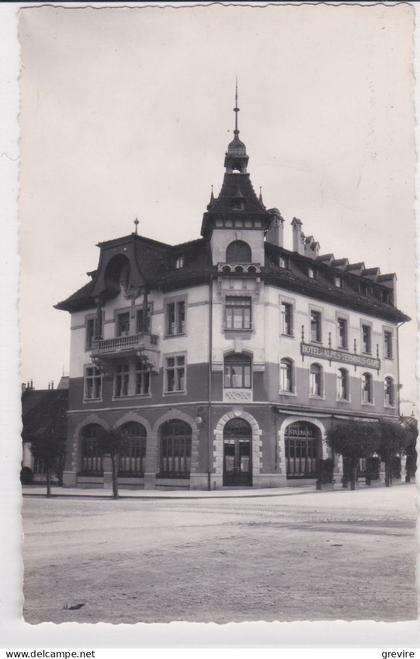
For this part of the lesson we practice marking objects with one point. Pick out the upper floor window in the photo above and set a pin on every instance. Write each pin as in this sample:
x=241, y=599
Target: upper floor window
x=175, y=373
x=366, y=339
x=342, y=384
x=287, y=318
x=238, y=313
x=142, y=379
x=179, y=263
x=237, y=371
x=389, y=391
x=93, y=383
x=342, y=332
x=387, y=344
x=175, y=318
x=143, y=321
x=90, y=332
x=238, y=252
x=123, y=324
x=315, y=380
x=338, y=281
x=121, y=380
x=286, y=375
x=315, y=326
x=367, y=388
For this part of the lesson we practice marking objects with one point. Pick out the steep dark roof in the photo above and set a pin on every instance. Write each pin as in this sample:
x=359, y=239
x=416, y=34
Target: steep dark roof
x=237, y=187
x=157, y=262
x=323, y=288
x=42, y=408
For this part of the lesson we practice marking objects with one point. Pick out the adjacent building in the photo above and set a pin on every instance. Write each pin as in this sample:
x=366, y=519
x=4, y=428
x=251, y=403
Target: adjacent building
x=226, y=359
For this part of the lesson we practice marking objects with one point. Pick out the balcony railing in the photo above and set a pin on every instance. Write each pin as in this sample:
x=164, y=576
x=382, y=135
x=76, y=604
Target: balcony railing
x=141, y=346
x=123, y=343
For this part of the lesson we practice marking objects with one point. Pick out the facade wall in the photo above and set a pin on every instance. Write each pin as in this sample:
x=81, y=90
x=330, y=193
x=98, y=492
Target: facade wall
x=268, y=410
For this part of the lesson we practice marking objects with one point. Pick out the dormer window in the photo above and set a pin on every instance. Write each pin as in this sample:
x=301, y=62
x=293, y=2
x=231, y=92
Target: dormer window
x=179, y=262
x=338, y=281
x=363, y=288
x=283, y=262
x=312, y=274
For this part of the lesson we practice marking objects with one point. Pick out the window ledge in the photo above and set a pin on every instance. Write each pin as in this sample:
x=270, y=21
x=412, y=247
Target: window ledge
x=287, y=336
x=315, y=397
x=346, y=401
x=287, y=393
x=368, y=404
x=245, y=330
x=175, y=393
x=130, y=397
x=174, y=336
x=92, y=400
x=389, y=407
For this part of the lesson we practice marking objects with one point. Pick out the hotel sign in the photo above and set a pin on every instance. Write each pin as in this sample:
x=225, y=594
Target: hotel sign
x=339, y=356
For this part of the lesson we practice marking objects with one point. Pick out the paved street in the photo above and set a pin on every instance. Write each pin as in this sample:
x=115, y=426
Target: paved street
x=313, y=556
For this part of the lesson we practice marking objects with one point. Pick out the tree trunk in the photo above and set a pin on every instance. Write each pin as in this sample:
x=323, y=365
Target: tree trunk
x=48, y=481
x=114, y=478
x=387, y=472
x=353, y=476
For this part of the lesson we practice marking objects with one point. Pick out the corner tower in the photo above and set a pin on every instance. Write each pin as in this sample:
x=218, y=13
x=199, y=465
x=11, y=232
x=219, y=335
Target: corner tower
x=237, y=220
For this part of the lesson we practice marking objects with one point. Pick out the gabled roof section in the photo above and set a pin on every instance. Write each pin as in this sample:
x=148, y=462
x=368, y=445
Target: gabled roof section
x=156, y=263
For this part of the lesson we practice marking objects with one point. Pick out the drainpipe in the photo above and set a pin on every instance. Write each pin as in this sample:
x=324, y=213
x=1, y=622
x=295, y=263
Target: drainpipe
x=209, y=374
x=398, y=370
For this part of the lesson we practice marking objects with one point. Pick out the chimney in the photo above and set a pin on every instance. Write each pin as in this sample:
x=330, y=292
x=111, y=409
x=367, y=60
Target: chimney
x=298, y=236
x=275, y=232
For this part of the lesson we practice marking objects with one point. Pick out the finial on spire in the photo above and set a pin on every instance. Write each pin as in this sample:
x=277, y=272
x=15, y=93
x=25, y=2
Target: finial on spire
x=211, y=194
x=236, y=109
x=136, y=224
x=260, y=197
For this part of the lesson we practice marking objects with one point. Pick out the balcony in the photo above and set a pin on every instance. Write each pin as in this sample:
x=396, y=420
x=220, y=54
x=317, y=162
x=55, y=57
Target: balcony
x=140, y=346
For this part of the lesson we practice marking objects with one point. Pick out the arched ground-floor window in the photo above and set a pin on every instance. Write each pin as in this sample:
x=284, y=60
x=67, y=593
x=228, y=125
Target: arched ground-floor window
x=175, y=449
x=91, y=460
x=302, y=447
x=133, y=449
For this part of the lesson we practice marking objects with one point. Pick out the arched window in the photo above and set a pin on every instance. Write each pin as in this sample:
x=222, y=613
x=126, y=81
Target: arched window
x=389, y=391
x=237, y=371
x=117, y=273
x=286, y=375
x=133, y=449
x=91, y=463
x=315, y=380
x=367, y=392
x=342, y=384
x=238, y=252
x=175, y=449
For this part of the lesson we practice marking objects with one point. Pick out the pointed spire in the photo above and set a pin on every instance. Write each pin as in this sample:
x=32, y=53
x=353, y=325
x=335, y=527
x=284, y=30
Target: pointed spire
x=236, y=109
x=211, y=195
x=136, y=225
x=260, y=199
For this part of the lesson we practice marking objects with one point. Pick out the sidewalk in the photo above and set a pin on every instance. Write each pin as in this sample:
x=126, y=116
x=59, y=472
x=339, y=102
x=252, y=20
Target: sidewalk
x=225, y=493
x=125, y=493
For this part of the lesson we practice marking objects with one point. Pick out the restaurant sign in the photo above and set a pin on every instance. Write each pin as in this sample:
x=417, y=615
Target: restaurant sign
x=320, y=352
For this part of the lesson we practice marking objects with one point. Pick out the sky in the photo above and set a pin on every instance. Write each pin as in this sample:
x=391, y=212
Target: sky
x=127, y=112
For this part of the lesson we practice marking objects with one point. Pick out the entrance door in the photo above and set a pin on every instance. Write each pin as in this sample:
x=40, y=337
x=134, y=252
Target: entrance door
x=237, y=467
